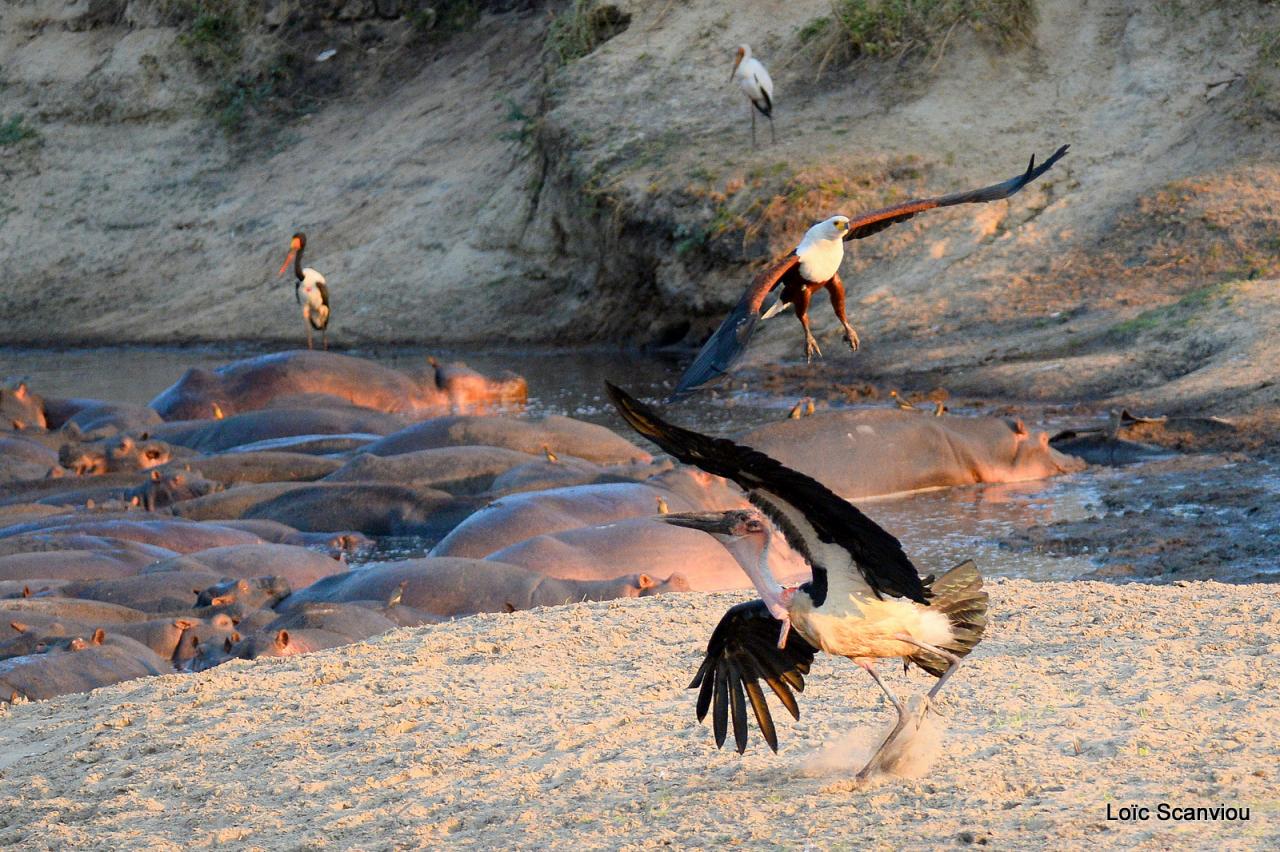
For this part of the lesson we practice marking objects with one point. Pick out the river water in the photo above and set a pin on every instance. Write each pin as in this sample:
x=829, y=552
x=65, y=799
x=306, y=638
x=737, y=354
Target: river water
x=938, y=528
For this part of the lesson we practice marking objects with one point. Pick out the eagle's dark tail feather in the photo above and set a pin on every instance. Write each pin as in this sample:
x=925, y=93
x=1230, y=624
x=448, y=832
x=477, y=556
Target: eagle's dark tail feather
x=960, y=595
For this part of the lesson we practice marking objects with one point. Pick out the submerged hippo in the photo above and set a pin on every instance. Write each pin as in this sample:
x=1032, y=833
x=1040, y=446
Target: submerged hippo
x=458, y=470
x=371, y=508
x=79, y=666
x=452, y=587
x=257, y=467
x=297, y=566
x=20, y=409
x=554, y=434
x=114, y=454
x=868, y=453
x=516, y=517
x=255, y=427
x=176, y=535
x=254, y=383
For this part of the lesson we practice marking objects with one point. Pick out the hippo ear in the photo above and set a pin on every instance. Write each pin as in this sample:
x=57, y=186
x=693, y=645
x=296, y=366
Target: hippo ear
x=1044, y=440
x=282, y=639
x=135, y=501
x=183, y=624
x=77, y=644
x=26, y=591
x=646, y=582
x=99, y=636
x=155, y=474
x=21, y=392
x=236, y=637
x=18, y=425
x=1019, y=428
x=19, y=626
x=221, y=600
x=126, y=443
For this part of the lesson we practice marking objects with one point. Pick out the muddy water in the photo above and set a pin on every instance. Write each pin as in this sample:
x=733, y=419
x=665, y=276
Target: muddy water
x=939, y=528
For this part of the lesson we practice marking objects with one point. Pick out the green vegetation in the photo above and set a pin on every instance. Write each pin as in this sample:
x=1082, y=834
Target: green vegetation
x=583, y=26
x=15, y=130
x=1180, y=314
x=897, y=29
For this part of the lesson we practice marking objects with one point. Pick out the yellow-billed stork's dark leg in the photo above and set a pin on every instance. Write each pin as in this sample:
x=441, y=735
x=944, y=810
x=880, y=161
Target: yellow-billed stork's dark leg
x=773, y=138
x=751, y=107
x=324, y=338
x=874, y=762
x=835, y=288
x=802, y=313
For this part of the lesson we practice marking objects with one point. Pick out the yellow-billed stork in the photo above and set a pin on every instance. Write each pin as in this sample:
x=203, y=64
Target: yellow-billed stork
x=311, y=291
x=866, y=601
x=753, y=79
x=814, y=265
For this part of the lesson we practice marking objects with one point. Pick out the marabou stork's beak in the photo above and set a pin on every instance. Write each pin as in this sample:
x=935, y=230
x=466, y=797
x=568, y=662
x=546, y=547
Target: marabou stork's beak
x=715, y=523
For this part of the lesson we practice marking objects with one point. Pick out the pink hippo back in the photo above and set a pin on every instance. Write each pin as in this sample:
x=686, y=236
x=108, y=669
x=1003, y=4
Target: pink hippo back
x=519, y=516
x=255, y=383
x=867, y=453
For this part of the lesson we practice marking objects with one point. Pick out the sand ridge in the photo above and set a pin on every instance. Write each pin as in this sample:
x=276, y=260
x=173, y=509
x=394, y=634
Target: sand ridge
x=571, y=727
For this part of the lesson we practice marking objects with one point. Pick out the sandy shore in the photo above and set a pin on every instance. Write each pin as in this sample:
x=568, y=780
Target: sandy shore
x=571, y=728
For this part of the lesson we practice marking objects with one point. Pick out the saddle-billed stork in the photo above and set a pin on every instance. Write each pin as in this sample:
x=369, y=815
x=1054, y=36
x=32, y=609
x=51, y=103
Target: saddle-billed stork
x=311, y=291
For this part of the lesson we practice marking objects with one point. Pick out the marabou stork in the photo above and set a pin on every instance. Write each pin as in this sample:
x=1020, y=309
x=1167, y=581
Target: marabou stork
x=753, y=79
x=866, y=600
x=311, y=291
x=814, y=265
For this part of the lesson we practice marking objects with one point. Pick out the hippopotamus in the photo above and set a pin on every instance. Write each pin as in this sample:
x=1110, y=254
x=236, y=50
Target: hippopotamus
x=175, y=534
x=541, y=474
x=372, y=508
x=83, y=665
x=253, y=383
x=19, y=638
x=1128, y=438
x=239, y=596
x=255, y=427
x=457, y=470
x=65, y=609
x=868, y=453
x=274, y=532
x=154, y=490
x=350, y=621
x=519, y=516
x=17, y=447
x=453, y=587
x=168, y=592
x=99, y=417
x=20, y=409
x=296, y=566
x=232, y=503
x=63, y=565
x=554, y=434
x=642, y=545
x=133, y=553
x=19, y=470
x=316, y=445
x=177, y=639
x=258, y=467
x=112, y=454
x=275, y=643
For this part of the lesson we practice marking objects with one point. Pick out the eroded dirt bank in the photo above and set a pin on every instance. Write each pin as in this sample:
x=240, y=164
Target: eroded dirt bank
x=460, y=187
x=570, y=728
